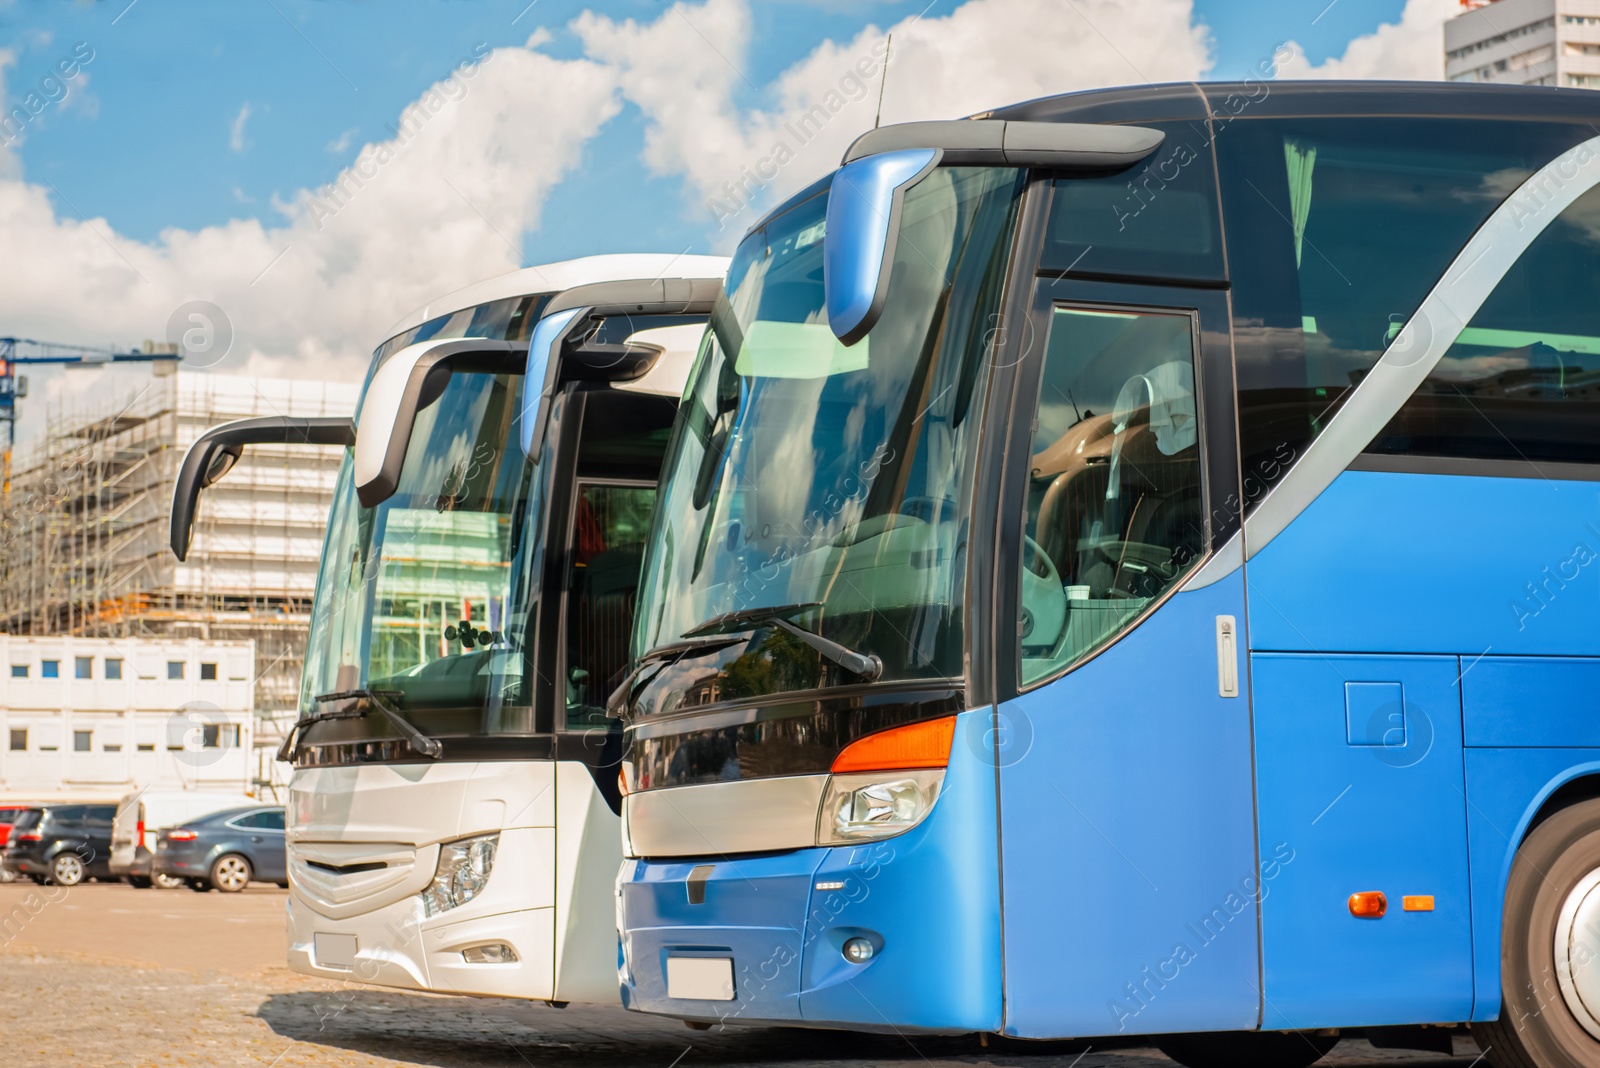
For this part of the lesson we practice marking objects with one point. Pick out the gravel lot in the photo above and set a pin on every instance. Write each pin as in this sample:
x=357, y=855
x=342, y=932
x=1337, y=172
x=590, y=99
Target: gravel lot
x=109, y=975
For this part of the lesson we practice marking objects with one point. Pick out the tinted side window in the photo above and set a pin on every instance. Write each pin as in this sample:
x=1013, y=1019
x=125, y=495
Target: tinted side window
x=1522, y=381
x=102, y=814
x=1338, y=229
x=1157, y=219
x=272, y=820
x=66, y=814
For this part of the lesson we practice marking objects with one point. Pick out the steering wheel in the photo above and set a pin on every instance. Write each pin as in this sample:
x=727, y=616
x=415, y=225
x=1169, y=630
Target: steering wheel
x=1044, y=602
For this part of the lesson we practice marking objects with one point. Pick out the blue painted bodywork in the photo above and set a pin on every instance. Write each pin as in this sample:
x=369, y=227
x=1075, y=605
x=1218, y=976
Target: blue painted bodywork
x=928, y=899
x=1533, y=702
x=1506, y=788
x=1496, y=575
x=1406, y=563
x=1127, y=839
x=1361, y=817
x=1416, y=688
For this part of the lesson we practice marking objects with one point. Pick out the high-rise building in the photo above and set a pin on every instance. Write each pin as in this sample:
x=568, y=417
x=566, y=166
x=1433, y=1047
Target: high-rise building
x=1525, y=42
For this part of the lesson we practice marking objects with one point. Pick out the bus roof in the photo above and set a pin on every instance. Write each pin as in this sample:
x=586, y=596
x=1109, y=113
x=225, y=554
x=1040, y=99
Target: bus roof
x=1179, y=101
x=554, y=277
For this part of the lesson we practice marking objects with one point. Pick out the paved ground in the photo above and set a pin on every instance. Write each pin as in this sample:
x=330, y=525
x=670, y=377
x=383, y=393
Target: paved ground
x=109, y=975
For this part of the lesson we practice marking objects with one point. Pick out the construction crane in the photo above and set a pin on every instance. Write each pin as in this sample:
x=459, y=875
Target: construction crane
x=24, y=350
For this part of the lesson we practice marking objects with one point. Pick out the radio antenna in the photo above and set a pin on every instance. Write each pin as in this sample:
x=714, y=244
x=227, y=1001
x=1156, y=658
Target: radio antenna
x=888, y=47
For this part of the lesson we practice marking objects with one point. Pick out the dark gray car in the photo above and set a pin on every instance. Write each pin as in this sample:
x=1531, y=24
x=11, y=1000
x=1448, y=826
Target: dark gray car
x=225, y=850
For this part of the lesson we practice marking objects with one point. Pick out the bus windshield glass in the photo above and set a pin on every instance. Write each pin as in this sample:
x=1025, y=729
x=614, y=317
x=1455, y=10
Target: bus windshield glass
x=415, y=596
x=816, y=487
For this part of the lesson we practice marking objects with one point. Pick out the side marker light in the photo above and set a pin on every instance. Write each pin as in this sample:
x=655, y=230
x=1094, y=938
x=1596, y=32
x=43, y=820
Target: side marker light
x=1368, y=904
x=1417, y=902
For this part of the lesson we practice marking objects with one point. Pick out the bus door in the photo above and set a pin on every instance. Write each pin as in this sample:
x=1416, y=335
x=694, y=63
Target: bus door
x=1128, y=857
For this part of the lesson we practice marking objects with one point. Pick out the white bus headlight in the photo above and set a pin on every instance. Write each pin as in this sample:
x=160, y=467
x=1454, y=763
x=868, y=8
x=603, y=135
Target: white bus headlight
x=876, y=804
x=463, y=872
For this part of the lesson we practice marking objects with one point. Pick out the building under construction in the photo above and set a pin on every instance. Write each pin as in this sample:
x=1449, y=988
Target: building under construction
x=84, y=539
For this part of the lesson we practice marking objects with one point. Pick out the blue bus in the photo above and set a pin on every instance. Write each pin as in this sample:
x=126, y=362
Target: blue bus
x=1126, y=565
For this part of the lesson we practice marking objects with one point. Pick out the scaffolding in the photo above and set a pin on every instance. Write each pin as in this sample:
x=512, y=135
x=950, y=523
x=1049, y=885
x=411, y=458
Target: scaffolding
x=84, y=539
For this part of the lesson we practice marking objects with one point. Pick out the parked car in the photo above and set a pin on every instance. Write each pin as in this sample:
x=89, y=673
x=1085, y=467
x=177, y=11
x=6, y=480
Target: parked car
x=62, y=844
x=8, y=816
x=141, y=816
x=225, y=850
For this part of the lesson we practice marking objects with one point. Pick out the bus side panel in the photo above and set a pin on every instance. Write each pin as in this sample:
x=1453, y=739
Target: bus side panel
x=1125, y=827
x=1388, y=562
x=1506, y=788
x=1358, y=762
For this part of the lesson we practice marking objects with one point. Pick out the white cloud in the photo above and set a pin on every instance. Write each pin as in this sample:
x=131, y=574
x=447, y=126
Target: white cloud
x=236, y=130
x=447, y=199
x=310, y=295
x=1411, y=49
x=339, y=144
x=684, y=69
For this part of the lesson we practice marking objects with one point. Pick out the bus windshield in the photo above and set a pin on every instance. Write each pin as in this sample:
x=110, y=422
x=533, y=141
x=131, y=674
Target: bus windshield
x=415, y=596
x=825, y=488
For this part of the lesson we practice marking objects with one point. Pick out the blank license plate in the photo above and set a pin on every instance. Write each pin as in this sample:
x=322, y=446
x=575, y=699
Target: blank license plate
x=335, y=950
x=700, y=978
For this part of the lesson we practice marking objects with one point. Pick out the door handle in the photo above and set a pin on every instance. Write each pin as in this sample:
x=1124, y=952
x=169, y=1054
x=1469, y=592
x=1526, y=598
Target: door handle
x=1227, y=656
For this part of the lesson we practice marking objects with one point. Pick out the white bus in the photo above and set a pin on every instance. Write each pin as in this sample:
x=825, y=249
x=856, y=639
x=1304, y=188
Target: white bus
x=453, y=808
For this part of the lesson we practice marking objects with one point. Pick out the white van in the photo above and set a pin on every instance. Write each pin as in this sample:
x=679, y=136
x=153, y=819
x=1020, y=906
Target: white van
x=142, y=816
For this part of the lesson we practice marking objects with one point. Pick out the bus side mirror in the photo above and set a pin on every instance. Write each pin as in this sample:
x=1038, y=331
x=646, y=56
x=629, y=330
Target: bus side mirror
x=880, y=165
x=539, y=382
x=214, y=453
x=863, y=221
x=405, y=384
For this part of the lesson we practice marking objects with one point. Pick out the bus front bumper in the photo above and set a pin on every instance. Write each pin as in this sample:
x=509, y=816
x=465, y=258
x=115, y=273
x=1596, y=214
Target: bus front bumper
x=398, y=946
x=761, y=938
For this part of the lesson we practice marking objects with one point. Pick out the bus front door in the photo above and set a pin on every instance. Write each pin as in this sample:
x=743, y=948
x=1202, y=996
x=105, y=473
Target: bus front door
x=1128, y=857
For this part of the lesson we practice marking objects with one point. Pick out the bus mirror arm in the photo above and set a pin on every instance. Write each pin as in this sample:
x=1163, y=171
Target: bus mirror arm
x=566, y=323
x=404, y=385
x=214, y=453
x=883, y=165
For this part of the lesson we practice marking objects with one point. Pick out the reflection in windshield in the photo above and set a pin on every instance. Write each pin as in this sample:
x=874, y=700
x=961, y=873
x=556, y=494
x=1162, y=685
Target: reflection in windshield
x=414, y=595
x=803, y=471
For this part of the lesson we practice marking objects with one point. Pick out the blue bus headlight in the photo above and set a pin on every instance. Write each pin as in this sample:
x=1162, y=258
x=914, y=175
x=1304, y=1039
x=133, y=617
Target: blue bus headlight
x=876, y=804
x=463, y=872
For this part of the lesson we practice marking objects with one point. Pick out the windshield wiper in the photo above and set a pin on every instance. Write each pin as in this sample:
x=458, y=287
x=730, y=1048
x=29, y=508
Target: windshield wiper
x=866, y=665
x=622, y=696
x=364, y=702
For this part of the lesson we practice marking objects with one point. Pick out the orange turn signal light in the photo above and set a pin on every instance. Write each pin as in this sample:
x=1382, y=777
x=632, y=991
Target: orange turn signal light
x=1417, y=902
x=1368, y=904
x=916, y=745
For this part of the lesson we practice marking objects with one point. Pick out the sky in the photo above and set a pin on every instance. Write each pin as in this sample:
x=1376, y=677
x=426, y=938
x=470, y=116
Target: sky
x=317, y=168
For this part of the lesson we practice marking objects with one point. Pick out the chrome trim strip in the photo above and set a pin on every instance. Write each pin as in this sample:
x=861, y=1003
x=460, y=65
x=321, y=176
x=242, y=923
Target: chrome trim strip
x=712, y=819
x=1224, y=562
x=1417, y=349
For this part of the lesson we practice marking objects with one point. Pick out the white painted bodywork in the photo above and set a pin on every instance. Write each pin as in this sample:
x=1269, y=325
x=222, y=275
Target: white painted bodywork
x=554, y=277
x=548, y=895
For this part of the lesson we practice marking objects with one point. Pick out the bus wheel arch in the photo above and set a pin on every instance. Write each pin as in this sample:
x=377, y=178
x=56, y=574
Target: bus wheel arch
x=1550, y=940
